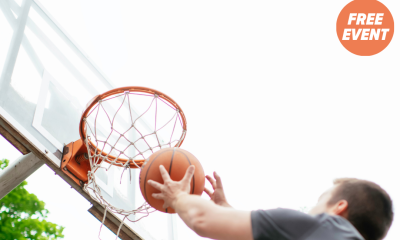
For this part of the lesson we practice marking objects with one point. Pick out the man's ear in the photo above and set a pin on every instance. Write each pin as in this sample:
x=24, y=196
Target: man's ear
x=340, y=208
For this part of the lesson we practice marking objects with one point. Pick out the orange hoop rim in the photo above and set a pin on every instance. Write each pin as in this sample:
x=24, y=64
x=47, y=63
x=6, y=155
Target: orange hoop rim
x=96, y=99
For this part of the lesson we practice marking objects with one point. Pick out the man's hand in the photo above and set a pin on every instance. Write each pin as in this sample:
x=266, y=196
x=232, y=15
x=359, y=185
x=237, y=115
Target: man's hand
x=171, y=190
x=218, y=196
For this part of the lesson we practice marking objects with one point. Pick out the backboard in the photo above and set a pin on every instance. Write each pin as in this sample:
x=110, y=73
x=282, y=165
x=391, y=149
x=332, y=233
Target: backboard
x=46, y=81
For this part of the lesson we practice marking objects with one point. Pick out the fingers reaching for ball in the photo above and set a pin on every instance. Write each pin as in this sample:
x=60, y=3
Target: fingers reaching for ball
x=218, y=180
x=171, y=189
x=215, y=183
x=189, y=174
x=157, y=195
x=212, y=182
x=156, y=185
x=209, y=192
x=164, y=173
x=218, y=195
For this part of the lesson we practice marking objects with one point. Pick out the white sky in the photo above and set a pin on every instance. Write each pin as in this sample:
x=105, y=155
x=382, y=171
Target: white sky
x=274, y=103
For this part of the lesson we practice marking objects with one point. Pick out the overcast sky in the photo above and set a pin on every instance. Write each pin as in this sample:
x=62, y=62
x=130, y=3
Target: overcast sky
x=274, y=103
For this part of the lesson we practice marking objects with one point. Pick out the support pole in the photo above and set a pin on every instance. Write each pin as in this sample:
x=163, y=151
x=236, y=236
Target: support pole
x=172, y=227
x=17, y=172
x=15, y=44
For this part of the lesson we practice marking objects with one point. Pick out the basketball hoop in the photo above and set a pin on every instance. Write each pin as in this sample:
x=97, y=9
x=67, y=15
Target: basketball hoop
x=120, y=129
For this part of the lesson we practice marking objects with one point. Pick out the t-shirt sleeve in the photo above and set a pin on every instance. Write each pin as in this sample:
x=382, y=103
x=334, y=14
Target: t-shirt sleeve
x=280, y=224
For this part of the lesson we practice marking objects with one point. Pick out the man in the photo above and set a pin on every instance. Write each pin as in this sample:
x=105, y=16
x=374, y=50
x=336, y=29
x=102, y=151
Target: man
x=352, y=209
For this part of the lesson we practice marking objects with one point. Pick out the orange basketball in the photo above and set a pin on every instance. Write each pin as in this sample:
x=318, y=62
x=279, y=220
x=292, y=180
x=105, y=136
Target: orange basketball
x=176, y=161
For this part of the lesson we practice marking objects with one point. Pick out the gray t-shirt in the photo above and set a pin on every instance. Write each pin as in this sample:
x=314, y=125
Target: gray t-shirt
x=286, y=224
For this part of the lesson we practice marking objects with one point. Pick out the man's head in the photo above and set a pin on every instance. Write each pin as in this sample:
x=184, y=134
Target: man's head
x=363, y=203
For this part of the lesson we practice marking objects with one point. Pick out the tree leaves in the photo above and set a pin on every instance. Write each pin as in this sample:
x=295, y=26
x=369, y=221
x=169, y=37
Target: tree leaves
x=4, y=163
x=22, y=216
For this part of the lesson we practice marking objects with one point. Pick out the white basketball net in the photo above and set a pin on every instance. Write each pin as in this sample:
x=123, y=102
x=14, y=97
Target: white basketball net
x=132, y=126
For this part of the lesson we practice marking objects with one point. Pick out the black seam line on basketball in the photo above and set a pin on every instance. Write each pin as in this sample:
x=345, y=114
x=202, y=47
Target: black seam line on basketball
x=172, y=159
x=145, y=177
x=189, y=165
x=170, y=169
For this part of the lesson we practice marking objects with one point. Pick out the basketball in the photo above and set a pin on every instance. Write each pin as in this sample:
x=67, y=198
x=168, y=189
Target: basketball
x=176, y=161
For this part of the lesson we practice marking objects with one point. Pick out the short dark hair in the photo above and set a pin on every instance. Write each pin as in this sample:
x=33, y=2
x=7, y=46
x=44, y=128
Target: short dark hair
x=370, y=208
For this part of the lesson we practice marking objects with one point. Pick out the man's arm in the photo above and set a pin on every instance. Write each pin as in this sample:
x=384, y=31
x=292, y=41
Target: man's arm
x=210, y=220
x=204, y=217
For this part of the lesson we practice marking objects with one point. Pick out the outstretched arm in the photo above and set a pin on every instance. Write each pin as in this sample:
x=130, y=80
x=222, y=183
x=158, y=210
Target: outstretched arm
x=204, y=217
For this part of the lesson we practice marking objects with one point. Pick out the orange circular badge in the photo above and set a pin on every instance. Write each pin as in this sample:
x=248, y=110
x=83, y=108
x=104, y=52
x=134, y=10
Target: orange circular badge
x=365, y=27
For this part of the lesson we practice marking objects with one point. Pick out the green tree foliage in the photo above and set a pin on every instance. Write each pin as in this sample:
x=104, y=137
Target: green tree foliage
x=22, y=216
